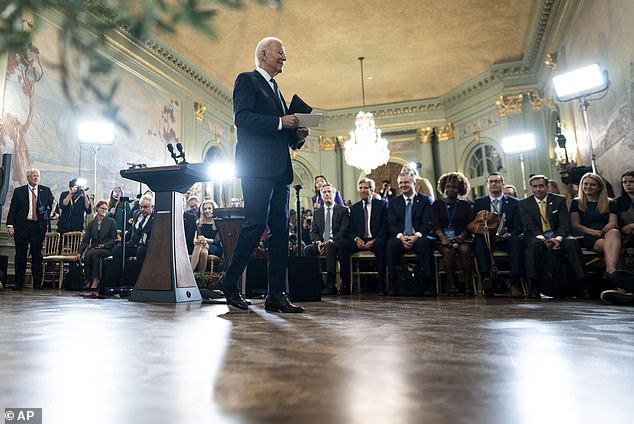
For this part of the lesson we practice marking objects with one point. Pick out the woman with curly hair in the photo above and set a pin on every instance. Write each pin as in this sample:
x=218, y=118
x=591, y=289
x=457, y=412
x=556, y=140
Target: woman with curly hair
x=594, y=216
x=450, y=216
x=625, y=208
x=207, y=241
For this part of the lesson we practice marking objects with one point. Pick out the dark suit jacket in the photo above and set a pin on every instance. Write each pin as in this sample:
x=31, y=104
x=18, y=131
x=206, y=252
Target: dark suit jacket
x=261, y=150
x=421, y=215
x=133, y=238
x=557, y=213
x=378, y=218
x=106, y=235
x=340, y=224
x=509, y=206
x=19, y=208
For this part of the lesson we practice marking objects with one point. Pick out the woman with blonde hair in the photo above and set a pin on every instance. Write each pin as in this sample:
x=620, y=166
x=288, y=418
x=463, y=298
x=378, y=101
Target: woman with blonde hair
x=594, y=216
x=207, y=240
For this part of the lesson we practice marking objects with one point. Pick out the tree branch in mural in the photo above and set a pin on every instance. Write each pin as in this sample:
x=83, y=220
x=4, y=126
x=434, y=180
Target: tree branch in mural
x=164, y=130
x=25, y=65
x=86, y=25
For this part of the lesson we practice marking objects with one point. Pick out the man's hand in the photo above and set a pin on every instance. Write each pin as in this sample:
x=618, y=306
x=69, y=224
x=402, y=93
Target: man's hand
x=360, y=244
x=302, y=132
x=553, y=243
x=408, y=241
x=10, y=231
x=290, y=121
x=321, y=247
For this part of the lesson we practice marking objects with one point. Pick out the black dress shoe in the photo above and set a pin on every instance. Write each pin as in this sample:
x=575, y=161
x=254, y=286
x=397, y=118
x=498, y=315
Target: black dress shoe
x=281, y=303
x=17, y=287
x=233, y=296
x=489, y=287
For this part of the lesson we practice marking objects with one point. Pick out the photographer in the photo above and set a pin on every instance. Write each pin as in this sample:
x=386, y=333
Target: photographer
x=74, y=205
x=307, y=222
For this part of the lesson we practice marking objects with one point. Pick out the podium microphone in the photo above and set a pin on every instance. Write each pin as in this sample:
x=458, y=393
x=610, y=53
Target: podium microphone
x=170, y=147
x=181, y=151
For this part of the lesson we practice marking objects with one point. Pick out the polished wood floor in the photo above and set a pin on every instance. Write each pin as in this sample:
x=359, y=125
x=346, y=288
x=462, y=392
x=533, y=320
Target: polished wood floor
x=360, y=359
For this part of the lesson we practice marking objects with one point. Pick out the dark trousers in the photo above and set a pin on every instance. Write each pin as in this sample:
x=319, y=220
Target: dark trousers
x=131, y=273
x=536, y=251
x=424, y=249
x=514, y=246
x=378, y=248
x=265, y=204
x=92, y=258
x=30, y=234
x=333, y=251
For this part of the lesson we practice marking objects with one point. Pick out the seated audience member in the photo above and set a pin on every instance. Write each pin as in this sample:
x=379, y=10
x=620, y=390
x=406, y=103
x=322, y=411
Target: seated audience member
x=386, y=192
x=194, y=206
x=74, y=205
x=510, y=190
x=450, y=217
x=553, y=187
x=593, y=216
x=117, y=208
x=625, y=208
x=330, y=227
x=547, y=231
x=510, y=240
x=624, y=293
x=421, y=184
x=97, y=242
x=367, y=229
x=207, y=239
x=409, y=225
x=316, y=200
x=138, y=239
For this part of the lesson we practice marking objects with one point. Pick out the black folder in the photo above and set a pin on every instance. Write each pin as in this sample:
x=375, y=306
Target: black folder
x=298, y=106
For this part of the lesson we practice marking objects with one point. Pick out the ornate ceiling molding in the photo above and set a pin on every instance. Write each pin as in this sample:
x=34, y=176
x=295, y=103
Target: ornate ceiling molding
x=509, y=104
x=386, y=111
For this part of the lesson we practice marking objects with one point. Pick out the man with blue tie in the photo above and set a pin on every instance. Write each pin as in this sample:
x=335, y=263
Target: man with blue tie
x=264, y=134
x=510, y=239
x=409, y=224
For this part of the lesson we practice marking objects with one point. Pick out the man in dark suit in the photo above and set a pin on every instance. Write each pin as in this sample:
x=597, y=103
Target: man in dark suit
x=136, y=241
x=547, y=230
x=409, y=224
x=264, y=133
x=328, y=233
x=510, y=239
x=27, y=221
x=368, y=230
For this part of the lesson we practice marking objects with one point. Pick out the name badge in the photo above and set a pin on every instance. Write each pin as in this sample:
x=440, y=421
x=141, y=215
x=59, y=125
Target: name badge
x=450, y=233
x=549, y=235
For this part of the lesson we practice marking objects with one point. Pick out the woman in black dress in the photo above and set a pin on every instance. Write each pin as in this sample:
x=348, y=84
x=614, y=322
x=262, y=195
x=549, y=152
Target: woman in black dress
x=593, y=215
x=207, y=240
x=625, y=208
x=450, y=216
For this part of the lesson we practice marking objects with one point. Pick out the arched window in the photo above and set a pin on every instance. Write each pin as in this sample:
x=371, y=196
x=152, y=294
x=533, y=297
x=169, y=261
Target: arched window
x=483, y=160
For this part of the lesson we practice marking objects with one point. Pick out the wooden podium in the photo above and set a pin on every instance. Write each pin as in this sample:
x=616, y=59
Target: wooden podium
x=229, y=222
x=166, y=275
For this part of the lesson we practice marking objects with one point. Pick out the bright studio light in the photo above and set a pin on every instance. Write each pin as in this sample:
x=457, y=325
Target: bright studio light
x=519, y=143
x=221, y=171
x=95, y=132
x=579, y=83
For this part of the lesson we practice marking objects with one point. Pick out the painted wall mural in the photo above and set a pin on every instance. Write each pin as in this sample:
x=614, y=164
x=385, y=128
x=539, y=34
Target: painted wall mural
x=41, y=127
x=604, y=34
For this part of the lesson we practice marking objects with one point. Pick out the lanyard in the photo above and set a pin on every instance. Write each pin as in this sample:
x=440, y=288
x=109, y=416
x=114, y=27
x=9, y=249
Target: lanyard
x=450, y=217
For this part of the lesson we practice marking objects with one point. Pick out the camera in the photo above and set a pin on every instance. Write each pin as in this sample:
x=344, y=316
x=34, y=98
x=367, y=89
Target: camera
x=292, y=239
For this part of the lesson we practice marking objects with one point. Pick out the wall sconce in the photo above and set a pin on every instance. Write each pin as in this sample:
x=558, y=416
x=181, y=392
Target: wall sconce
x=200, y=111
x=551, y=61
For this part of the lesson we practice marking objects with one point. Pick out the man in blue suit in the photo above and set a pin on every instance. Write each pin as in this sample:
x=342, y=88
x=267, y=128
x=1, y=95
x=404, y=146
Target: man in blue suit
x=511, y=240
x=409, y=224
x=264, y=134
x=368, y=230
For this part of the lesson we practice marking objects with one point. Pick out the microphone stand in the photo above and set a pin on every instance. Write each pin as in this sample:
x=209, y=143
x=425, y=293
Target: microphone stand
x=300, y=223
x=124, y=201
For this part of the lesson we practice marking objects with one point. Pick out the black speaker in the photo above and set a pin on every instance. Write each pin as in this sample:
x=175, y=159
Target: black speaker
x=304, y=278
x=256, y=278
x=5, y=177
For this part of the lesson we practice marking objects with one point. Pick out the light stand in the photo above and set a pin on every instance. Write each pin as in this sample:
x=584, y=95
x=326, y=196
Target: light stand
x=95, y=134
x=578, y=85
x=300, y=224
x=520, y=144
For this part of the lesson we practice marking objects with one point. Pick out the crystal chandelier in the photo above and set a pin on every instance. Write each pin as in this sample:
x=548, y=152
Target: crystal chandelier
x=366, y=149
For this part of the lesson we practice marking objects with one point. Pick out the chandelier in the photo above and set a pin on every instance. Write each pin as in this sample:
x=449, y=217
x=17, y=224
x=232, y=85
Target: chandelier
x=366, y=149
